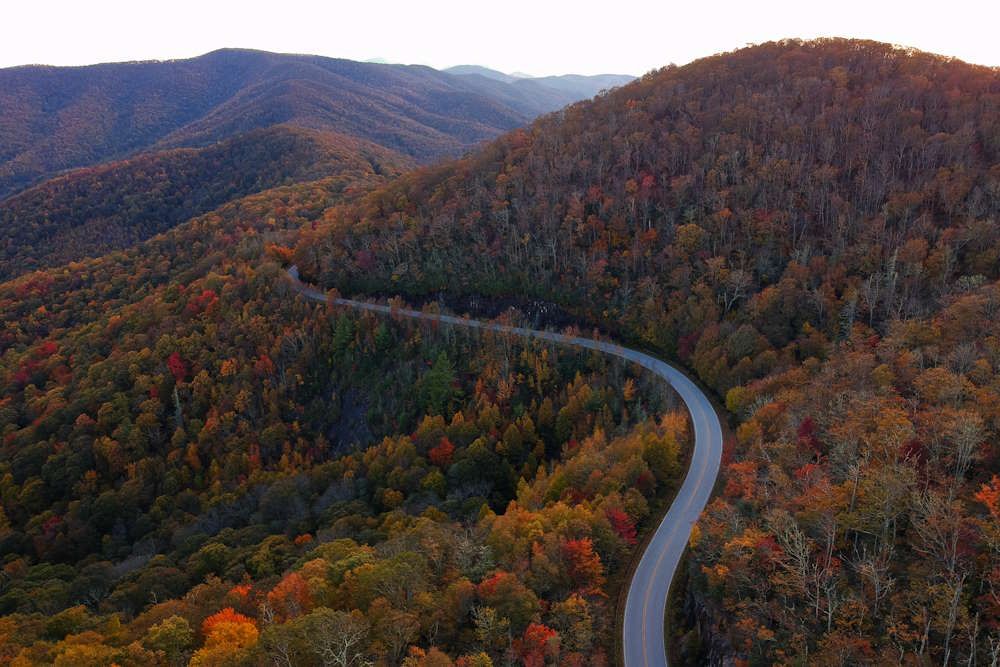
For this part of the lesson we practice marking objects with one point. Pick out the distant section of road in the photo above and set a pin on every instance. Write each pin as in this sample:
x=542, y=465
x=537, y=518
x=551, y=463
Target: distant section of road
x=647, y=595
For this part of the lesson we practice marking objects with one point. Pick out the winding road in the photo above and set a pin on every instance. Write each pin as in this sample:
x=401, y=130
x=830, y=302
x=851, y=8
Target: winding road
x=643, y=629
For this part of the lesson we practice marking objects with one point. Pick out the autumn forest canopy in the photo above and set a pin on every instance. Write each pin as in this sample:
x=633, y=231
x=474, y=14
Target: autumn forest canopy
x=198, y=466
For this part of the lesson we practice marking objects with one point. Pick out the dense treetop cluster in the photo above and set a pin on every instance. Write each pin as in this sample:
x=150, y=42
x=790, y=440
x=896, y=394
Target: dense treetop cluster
x=198, y=466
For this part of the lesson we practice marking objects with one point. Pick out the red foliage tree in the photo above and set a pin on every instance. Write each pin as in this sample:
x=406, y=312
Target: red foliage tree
x=177, y=366
x=807, y=436
x=583, y=564
x=441, y=454
x=622, y=524
x=290, y=597
x=539, y=644
x=989, y=495
x=223, y=616
x=263, y=366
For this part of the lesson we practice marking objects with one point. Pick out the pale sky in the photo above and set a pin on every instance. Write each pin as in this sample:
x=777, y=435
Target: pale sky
x=535, y=36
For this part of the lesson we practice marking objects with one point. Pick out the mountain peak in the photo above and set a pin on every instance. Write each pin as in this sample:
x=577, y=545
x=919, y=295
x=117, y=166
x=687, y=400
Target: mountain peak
x=481, y=71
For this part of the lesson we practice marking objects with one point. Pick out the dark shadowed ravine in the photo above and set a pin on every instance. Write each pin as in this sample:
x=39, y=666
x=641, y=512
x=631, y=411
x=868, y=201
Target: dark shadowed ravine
x=643, y=633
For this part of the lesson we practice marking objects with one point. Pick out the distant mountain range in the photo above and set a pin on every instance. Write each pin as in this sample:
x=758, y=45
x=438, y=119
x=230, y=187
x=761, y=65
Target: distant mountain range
x=58, y=118
x=576, y=86
x=546, y=93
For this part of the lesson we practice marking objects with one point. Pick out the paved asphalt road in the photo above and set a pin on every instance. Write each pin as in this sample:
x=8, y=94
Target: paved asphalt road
x=647, y=594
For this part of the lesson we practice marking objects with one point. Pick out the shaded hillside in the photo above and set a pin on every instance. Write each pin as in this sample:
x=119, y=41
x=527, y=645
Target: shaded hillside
x=48, y=303
x=812, y=228
x=54, y=118
x=94, y=210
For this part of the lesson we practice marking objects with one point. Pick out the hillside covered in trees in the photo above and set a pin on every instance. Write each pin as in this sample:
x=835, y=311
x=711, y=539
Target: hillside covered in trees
x=197, y=466
x=95, y=210
x=812, y=227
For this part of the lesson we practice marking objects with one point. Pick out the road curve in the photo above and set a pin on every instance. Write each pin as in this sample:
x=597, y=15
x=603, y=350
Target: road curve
x=643, y=633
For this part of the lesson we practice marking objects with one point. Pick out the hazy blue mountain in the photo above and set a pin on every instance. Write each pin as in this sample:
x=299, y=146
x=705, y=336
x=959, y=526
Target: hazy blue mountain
x=583, y=87
x=536, y=95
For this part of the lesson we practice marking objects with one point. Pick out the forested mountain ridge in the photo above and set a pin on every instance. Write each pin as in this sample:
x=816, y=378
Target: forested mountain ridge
x=57, y=118
x=54, y=118
x=812, y=227
x=91, y=211
x=636, y=157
